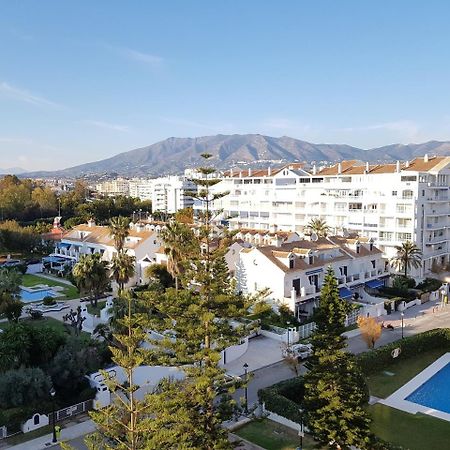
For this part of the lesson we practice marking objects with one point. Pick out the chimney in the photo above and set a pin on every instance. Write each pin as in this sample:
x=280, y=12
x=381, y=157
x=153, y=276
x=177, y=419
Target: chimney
x=240, y=174
x=249, y=172
x=397, y=167
x=367, y=167
x=407, y=164
x=339, y=168
x=231, y=172
x=425, y=158
x=314, y=169
x=269, y=171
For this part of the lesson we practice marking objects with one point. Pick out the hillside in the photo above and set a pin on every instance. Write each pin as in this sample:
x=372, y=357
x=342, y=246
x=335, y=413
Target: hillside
x=173, y=155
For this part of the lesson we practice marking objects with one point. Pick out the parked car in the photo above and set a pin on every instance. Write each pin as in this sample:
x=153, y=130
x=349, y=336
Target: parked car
x=300, y=351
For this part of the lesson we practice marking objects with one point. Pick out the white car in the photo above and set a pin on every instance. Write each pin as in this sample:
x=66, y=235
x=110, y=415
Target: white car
x=300, y=351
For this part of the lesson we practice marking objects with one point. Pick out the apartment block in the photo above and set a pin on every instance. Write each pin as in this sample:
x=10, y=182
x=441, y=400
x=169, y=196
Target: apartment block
x=390, y=203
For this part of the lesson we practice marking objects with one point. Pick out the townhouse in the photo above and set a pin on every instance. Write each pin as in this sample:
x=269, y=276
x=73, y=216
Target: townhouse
x=294, y=272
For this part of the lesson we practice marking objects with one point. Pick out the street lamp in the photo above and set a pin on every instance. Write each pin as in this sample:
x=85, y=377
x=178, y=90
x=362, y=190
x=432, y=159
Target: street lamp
x=52, y=395
x=288, y=323
x=246, y=387
x=301, y=434
x=442, y=297
x=402, y=314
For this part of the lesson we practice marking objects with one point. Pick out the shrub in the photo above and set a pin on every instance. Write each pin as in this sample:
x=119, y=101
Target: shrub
x=403, y=283
x=284, y=398
x=49, y=301
x=429, y=285
x=391, y=292
x=380, y=358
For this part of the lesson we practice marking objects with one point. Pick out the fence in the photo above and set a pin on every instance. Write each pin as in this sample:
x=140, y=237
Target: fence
x=306, y=330
x=3, y=432
x=74, y=410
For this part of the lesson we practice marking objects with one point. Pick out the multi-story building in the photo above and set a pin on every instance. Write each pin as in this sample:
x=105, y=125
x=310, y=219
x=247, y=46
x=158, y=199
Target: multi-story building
x=171, y=193
x=390, y=203
x=293, y=273
x=112, y=188
x=141, y=188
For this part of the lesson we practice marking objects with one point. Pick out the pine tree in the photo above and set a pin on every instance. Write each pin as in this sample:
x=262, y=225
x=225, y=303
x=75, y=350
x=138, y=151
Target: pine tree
x=335, y=394
x=202, y=319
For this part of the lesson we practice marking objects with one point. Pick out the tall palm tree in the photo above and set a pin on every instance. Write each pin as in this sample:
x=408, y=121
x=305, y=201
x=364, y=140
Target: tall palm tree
x=318, y=226
x=122, y=268
x=408, y=256
x=178, y=244
x=119, y=228
x=10, y=280
x=91, y=276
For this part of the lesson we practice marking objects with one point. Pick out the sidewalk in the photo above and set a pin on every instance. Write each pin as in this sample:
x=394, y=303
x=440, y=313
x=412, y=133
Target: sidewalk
x=67, y=434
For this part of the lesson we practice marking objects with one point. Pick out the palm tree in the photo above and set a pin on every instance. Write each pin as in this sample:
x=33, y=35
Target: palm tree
x=318, y=226
x=408, y=256
x=119, y=228
x=178, y=244
x=122, y=268
x=10, y=280
x=91, y=276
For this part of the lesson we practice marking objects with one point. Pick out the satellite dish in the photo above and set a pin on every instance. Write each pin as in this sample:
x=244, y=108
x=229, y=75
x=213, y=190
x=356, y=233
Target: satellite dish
x=314, y=237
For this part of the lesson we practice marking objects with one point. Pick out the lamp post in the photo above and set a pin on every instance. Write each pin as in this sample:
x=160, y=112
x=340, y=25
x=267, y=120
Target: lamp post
x=402, y=314
x=301, y=433
x=288, y=323
x=246, y=387
x=52, y=395
x=442, y=297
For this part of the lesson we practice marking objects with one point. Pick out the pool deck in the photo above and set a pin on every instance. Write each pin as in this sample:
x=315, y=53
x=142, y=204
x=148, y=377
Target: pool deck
x=397, y=399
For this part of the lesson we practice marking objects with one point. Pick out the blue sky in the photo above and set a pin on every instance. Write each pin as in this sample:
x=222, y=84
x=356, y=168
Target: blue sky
x=82, y=81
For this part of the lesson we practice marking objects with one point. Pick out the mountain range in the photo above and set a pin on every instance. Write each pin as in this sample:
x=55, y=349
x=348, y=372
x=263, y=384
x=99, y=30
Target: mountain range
x=173, y=155
x=12, y=171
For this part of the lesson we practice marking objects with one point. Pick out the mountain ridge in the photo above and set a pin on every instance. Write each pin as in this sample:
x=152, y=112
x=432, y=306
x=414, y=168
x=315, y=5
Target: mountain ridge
x=173, y=154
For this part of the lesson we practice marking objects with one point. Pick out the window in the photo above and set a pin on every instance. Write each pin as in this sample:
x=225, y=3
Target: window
x=291, y=263
x=408, y=178
x=407, y=194
x=404, y=236
x=296, y=285
x=355, y=206
x=373, y=262
x=394, y=193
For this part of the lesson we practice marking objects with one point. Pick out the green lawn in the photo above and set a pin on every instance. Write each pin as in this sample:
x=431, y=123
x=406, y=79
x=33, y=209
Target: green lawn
x=382, y=384
x=412, y=431
x=273, y=436
x=95, y=310
x=30, y=280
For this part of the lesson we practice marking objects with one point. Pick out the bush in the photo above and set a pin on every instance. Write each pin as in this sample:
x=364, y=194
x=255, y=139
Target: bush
x=429, y=285
x=49, y=301
x=284, y=398
x=14, y=417
x=403, y=283
x=380, y=358
x=391, y=292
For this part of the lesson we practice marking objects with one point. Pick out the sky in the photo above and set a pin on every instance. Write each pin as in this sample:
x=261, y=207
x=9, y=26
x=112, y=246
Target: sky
x=82, y=81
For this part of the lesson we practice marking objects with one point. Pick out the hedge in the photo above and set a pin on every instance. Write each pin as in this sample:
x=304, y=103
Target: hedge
x=379, y=359
x=279, y=398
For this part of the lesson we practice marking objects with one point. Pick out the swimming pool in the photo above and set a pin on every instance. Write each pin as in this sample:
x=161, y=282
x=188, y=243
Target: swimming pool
x=435, y=392
x=35, y=295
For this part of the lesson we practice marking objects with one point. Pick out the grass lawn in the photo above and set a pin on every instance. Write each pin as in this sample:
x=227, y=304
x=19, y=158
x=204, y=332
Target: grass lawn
x=30, y=280
x=273, y=436
x=382, y=384
x=412, y=431
x=95, y=310
x=46, y=322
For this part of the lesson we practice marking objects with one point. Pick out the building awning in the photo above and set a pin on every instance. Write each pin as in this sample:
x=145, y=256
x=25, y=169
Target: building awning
x=64, y=245
x=345, y=292
x=374, y=284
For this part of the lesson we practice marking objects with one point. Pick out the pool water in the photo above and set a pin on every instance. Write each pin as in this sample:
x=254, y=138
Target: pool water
x=434, y=393
x=35, y=295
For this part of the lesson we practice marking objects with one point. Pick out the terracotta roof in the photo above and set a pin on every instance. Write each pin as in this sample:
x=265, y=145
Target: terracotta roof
x=353, y=167
x=101, y=235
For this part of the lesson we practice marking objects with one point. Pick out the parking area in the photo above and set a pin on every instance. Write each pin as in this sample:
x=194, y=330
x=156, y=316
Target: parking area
x=262, y=352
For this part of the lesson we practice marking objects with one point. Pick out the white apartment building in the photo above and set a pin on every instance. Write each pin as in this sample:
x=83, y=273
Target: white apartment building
x=112, y=188
x=390, y=203
x=141, y=188
x=294, y=272
x=171, y=193
x=88, y=239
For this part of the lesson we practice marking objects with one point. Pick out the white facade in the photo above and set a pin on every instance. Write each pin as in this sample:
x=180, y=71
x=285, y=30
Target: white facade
x=88, y=239
x=111, y=188
x=141, y=188
x=391, y=203
x=294, y=272
x=170, y=194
